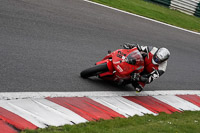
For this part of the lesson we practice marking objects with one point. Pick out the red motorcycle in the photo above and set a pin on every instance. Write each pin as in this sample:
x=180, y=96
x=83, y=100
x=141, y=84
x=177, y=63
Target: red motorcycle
x=117, y=66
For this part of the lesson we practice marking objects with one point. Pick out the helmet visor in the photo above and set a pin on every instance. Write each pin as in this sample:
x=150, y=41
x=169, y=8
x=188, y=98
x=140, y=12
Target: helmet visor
x=157, y=59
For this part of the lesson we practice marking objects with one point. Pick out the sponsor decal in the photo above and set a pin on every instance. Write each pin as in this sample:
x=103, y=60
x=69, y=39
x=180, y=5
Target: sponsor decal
x=119, y=68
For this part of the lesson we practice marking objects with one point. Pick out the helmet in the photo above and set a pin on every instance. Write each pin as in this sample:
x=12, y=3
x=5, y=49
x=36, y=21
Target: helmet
x=160, y=56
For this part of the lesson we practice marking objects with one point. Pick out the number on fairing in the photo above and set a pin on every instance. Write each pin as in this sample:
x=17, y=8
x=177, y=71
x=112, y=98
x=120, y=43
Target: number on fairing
x=120, y=54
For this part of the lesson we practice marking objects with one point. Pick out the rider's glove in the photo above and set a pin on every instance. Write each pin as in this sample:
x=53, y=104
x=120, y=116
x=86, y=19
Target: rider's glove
x=129, y=46
x=153, y=75
x=148, y=78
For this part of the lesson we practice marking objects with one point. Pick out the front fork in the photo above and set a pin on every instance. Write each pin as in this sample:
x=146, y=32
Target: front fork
x=109, y=65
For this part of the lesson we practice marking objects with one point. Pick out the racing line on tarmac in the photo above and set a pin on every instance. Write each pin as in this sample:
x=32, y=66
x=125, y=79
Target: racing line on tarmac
x=19, y=111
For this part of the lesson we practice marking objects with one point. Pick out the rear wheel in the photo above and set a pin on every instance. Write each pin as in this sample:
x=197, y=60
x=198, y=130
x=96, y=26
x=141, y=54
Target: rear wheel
x=93, y=71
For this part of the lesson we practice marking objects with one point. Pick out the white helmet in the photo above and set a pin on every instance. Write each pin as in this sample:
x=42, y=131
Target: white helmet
x=160, y=56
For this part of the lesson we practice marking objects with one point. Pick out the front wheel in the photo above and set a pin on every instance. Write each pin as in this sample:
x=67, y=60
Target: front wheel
x=93, y=71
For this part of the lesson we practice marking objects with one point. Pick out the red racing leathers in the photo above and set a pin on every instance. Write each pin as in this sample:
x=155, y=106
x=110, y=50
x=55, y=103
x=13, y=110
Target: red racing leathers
x=152, y=70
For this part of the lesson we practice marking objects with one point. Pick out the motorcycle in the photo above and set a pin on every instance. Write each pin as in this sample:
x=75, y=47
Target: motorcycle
x=117, y=66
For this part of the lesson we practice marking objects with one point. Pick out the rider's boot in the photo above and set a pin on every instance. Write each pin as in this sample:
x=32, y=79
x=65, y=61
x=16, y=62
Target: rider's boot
x=137, y=87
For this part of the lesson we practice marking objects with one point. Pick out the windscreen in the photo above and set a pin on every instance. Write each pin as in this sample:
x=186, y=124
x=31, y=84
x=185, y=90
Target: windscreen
x=135, y=58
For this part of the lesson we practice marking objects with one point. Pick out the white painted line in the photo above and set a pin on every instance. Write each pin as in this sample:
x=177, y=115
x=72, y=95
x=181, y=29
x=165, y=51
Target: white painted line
x=197, y=33
x=26, y=95
x=122, y=106
x=178, y=103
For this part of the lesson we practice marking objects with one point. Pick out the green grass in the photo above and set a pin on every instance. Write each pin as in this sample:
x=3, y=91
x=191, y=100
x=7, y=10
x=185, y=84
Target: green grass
x=187, y=122
x=155, y=11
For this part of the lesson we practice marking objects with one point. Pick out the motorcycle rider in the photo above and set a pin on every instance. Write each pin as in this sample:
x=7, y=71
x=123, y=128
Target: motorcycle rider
x=155, y=63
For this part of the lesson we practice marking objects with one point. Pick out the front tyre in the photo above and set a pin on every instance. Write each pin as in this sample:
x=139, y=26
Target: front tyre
x=95, y=70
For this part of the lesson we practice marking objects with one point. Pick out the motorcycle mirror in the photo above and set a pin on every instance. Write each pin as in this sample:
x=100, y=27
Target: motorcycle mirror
x=109, y=51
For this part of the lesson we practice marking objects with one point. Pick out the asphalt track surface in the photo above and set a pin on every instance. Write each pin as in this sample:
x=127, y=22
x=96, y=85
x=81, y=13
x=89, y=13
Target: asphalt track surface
x=44, y=44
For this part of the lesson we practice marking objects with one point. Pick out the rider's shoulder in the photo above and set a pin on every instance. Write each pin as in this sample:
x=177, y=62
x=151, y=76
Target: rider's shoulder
x=152, y=49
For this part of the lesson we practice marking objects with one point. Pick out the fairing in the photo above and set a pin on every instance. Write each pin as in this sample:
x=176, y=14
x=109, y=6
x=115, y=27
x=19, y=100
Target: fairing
x=122, y=63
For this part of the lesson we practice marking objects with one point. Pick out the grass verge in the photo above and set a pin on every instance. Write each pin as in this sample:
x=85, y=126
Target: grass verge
x=186, y=122
x=155, y=11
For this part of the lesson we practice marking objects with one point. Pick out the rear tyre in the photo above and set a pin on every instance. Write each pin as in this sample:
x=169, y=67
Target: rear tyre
x=93, y=71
